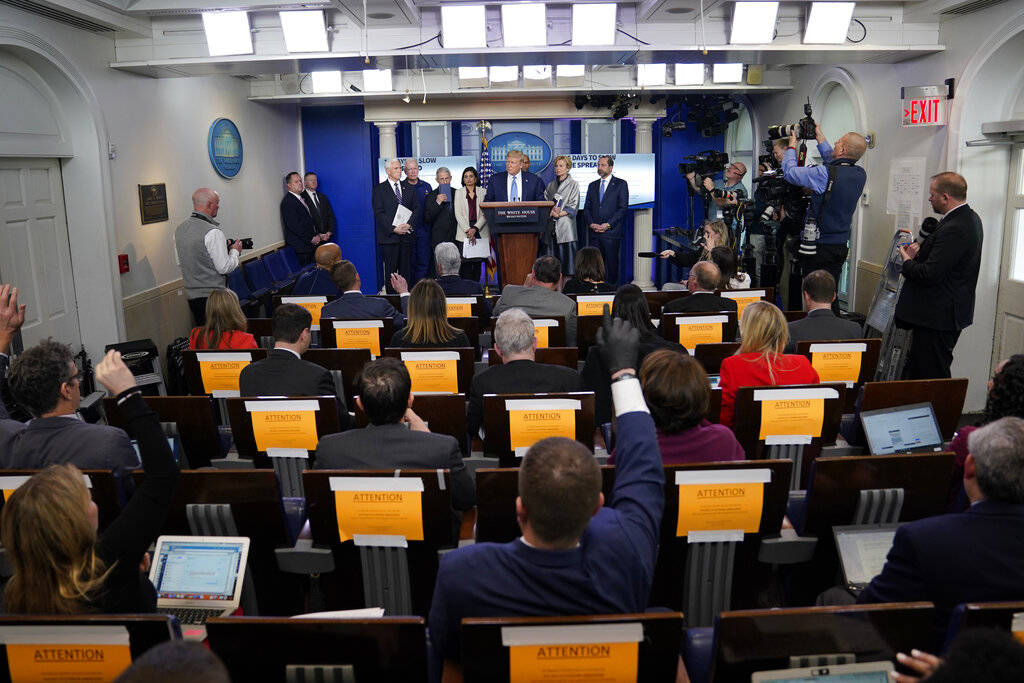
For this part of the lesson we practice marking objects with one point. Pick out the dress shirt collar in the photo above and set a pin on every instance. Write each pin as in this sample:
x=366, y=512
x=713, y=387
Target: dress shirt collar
x=351, y=291
x=291, y=351
x=955, y=208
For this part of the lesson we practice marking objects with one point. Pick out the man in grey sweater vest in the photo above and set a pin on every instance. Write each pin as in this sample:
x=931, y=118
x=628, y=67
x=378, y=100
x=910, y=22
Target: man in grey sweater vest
x=203, y=254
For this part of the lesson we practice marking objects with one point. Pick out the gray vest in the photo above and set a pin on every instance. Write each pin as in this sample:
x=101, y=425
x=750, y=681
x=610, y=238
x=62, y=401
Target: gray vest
x=197, y=269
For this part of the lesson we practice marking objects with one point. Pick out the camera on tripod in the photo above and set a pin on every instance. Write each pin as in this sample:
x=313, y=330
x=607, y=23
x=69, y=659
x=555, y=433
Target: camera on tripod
x=705, y=163
x=804, y=128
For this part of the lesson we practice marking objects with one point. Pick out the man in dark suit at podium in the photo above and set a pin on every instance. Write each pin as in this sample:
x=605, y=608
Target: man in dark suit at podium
x=939, y=279
x=513, y=184
x=300, y=232
x=704, y=278
x=603, y=213
x=395, y=241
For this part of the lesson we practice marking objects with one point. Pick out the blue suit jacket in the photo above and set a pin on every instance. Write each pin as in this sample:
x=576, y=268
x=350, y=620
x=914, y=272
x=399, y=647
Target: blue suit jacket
x=315, y=282
x=972, y=556
x=531, y=191
x=299, y=226
x=355, y=305
x=612, y=210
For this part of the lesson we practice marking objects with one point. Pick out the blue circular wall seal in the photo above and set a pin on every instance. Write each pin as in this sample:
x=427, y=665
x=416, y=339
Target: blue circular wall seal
x=529, y=144
x=225, y=147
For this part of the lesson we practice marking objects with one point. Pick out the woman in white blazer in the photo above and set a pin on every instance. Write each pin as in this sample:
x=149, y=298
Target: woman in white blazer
x=470, y=219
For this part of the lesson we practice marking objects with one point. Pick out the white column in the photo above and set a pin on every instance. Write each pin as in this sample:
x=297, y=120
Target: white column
x=643, y=219
x=388, y=141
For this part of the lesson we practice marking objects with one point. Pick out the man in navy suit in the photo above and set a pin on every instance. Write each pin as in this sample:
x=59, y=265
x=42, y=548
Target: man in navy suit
x=352, y=303
x=395, y=241
x=603, y=212
x=514, y=184
x=972, y=556
x=300, y=232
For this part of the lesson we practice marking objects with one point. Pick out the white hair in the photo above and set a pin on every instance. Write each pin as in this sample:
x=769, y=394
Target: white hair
x=514, y=332
x=448, y=259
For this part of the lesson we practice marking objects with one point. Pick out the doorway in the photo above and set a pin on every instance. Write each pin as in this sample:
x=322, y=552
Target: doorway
x=1009, y=337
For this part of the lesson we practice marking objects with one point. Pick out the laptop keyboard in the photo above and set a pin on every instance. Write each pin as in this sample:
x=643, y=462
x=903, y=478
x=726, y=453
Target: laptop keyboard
x=191, y=615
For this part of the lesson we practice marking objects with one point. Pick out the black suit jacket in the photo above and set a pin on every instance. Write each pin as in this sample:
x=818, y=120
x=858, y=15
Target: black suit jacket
x=440, y=218
x=939, y=283
x=385, y=203
x=455, y=285
x=282, y=374
x=47, y=441
x=821, y=325
x=516, y=377
x=323, y=214
x=353, y=305
x=972, y=556
x=702, y=302
x=299, y=226
x=612, y=210
x=531, y=191
x=395, y=446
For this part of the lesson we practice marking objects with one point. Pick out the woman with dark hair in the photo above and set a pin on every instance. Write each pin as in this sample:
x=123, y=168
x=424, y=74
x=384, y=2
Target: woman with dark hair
x=629, y=304
x=427, y=324
x=1005, y=399
x=590, y=274
x=678, y=392
x=471, y=224
x=726, y=262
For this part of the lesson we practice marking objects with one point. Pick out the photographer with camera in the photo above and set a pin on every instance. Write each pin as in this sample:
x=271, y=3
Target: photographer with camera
x=723, y=195
x=204, y=254
x=836, y=187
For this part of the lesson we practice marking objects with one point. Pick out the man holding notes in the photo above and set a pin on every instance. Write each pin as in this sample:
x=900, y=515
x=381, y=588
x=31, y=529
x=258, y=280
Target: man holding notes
x=395, y=206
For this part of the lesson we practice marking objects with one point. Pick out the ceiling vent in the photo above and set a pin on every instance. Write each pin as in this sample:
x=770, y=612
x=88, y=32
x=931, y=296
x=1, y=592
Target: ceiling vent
x=58, y=15
x=968, y=7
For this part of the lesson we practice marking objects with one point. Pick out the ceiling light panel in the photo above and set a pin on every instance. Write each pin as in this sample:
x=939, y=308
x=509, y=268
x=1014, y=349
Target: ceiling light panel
x=536, y=73
x=304, y=31
x=472, y=76
x=689, y=74
x=593, y=24
x=463, y=26
x=753, y=22
x=227, y=33
x=504, y=74
x=377, y=80
x=524, y=24
x=727, y=73
x=650, y=74
x=828, y=22
x=570, y=75
x=326, y=81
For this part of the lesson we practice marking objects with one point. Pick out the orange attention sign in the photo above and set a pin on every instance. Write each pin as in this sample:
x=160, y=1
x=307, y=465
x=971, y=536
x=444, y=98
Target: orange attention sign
x=718, y=500
x=837, y=362
x=356, y=334
x=540, y=330
x=9, y=484
x=1017, y=626
x=790, y=417
x=284, y=424
x=220, y=371
x=530, y=420
x=313, y=304
x=433, y=372
x=705, y=329
x=460, y=307
x=744, y=298
x=85, y=654
x=591, y=662
x=593, y=305
x=378, y=506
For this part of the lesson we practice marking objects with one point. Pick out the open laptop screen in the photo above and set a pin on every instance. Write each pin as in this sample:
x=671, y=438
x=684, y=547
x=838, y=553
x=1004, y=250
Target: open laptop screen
x=862, y=550
x=901, y=429
x=866, y=672
x=195, y=570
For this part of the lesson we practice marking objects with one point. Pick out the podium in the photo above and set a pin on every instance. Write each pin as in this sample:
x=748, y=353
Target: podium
x=516, y=227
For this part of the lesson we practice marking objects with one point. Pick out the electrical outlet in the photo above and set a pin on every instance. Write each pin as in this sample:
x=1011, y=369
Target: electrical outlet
x=865, y=200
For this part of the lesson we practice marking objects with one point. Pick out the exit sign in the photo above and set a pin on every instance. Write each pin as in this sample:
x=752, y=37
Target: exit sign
x=924, y=111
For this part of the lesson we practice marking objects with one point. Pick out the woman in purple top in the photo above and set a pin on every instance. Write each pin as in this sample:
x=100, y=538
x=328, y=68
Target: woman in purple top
x=677, y=392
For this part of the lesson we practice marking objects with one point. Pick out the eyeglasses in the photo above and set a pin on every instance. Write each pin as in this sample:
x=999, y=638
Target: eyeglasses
x=75, y=378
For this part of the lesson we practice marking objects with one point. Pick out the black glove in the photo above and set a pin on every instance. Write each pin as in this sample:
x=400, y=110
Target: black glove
x=618, y=343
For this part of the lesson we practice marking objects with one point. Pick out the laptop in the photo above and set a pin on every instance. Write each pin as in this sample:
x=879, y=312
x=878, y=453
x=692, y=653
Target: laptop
x=866, y=672
x=198, y=577
x=903, y=429
x=862, y=551
x=714, y=380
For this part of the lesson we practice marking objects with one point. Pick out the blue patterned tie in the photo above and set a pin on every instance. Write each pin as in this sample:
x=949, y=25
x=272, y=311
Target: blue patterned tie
x=601, y=197
x=515, y=190
x=398, y=193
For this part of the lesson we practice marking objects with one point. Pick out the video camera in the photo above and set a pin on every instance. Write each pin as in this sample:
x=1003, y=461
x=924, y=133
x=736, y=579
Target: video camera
x=246, y=242
x=705, y=163
x=804, y=128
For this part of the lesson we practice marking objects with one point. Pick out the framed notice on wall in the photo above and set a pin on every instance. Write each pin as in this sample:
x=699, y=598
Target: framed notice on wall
x=153, y=203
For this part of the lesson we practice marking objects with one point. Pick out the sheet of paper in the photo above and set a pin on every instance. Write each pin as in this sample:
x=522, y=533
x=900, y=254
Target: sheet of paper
x=906, y=186
x=402, y=215
x=481, y=248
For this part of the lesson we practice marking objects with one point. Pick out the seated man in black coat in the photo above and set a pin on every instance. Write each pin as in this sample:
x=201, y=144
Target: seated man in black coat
x=821, y=324
x=516, y=343
x=972, y=556
x=703, y=280
x=352, y=303
x=46, y=381
x=283, y=372
x=449, y=262
x=396, y=437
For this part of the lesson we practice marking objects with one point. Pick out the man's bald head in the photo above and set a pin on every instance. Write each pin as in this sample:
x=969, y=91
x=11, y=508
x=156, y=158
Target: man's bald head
x=206, y=201
x=704, y=276
x=854, y=145
x=327, y=255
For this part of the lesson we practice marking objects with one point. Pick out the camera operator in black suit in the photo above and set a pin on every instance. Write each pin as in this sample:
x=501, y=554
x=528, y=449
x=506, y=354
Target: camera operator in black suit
x=939, y=279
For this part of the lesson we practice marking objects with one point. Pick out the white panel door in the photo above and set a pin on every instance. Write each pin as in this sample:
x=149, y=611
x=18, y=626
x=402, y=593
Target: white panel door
x=1009, y=337
x=34, y=251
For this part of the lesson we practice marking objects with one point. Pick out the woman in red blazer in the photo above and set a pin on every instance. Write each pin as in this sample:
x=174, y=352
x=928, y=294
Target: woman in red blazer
x=760, y=361
x=225, y=326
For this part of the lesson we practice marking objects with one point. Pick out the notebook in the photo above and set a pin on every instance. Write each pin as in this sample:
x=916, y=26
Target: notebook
x=866, y=672
x=198, y=577
x=862, y=552
x=904, y=429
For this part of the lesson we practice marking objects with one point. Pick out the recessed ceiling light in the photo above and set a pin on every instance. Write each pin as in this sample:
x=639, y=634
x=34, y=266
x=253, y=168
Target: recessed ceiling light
x=828, y=22
x=524, y=24
x=326, y=81
x=593, y=24
x=377, y=80
x=304, y=31
x=650, y=74
x=689, y=74
x=727, y=73
x=753, y=22
x=463, y=26
x=379, y=15
x=679, y=10
x=227, y=33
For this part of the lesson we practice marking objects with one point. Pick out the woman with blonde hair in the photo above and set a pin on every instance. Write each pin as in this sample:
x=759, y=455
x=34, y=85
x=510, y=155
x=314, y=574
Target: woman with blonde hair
x=49, y=524
x=759, y=360
x=560, y=237
x=225, y=326
x=715, y=235
x=427, y=323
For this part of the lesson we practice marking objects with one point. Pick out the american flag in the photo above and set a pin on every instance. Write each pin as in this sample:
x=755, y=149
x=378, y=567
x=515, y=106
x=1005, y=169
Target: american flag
x=485, y=176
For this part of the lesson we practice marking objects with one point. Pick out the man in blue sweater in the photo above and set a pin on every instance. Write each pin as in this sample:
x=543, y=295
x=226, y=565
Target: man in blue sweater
x=576, y=555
